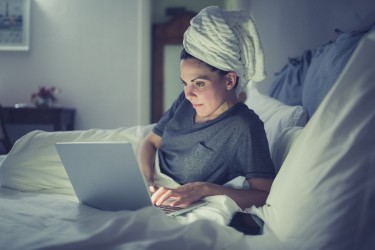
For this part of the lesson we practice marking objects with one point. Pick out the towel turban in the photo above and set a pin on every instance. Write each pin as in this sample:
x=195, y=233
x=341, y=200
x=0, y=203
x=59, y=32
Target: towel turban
x=227, y=40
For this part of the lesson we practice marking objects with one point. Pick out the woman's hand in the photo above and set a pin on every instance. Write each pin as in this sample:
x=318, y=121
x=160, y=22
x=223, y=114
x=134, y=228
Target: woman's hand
x=185, y=194
x=191, y=192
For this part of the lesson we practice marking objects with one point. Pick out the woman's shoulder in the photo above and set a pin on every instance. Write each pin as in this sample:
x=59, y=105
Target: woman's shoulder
x=244, y=112
x=246, y=117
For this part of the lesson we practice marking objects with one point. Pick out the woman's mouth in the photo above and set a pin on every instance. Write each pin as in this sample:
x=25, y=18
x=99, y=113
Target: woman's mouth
x=197, y=105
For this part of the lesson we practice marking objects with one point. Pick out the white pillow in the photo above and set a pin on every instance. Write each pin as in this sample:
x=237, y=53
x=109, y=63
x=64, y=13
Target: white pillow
x=275, y=115
x=324, y=195
x=283, y=144
x=33, y=164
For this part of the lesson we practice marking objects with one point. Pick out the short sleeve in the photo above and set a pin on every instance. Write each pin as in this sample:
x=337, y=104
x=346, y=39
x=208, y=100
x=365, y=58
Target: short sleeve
x=253, y=155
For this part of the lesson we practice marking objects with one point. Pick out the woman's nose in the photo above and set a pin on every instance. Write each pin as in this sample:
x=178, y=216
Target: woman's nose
x=189, y=91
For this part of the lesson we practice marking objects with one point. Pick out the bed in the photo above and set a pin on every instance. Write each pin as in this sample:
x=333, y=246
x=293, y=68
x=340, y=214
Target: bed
x=319, y=120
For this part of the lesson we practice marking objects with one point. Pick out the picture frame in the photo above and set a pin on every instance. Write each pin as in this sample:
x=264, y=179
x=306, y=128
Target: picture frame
x=15, y=25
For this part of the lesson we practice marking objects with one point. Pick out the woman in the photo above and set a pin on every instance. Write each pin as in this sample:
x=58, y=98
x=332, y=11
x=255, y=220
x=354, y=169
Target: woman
x=208, y=136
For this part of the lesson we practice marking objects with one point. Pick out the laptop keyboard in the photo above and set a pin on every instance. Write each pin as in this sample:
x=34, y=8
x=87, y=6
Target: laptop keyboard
x=169, y=209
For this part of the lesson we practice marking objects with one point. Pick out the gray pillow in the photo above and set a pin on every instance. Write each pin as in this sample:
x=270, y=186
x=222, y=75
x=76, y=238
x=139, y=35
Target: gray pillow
x=326, y=65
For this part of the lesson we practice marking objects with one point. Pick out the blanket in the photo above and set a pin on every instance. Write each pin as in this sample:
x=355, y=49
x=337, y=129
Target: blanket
x=46, y=221
x=33, y=165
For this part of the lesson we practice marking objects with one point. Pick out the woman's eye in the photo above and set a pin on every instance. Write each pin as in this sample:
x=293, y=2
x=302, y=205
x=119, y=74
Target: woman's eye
x=199, y=84
x=183, y=83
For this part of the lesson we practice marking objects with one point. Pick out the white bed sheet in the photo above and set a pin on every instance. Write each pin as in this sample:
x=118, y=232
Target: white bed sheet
x=45, y=221
x=44, y=213
x=41, y=221
x=32, y=220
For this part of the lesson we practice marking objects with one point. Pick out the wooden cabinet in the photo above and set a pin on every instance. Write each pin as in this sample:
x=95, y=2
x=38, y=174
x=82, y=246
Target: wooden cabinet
x=54, y=119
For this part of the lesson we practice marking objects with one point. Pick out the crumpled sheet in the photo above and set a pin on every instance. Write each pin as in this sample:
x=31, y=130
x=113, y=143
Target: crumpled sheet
x=48, y=217
x=45, y=221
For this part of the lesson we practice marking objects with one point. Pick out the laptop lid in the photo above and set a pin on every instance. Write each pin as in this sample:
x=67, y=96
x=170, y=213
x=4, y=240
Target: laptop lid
x=105, y=175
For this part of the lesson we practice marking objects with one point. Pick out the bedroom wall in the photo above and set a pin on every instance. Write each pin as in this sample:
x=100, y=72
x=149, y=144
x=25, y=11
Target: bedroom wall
x=96, y=51
x=159, y=7
x=289, y=27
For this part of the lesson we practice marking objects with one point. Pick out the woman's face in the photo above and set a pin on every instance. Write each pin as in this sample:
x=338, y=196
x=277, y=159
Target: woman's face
x=207, y=90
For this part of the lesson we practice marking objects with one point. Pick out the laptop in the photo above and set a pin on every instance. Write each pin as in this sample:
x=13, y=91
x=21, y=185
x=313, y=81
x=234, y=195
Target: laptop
x=106, y=176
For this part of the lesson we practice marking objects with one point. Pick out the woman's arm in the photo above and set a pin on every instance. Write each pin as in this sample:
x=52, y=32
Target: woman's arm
x=191, y=192
x=256, y=195
x=146, y=155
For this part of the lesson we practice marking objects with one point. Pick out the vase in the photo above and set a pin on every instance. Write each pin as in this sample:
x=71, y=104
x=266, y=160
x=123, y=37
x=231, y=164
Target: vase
x=43, y=102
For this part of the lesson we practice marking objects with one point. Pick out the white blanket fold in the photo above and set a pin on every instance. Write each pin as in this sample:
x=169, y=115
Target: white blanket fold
x=33, y=165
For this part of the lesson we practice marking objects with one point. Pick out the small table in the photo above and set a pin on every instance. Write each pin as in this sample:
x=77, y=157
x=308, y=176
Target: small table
x=60, y=119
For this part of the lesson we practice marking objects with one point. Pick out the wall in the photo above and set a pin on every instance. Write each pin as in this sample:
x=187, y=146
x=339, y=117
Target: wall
x=159, y=7
x=96, y=51
x=289, y=27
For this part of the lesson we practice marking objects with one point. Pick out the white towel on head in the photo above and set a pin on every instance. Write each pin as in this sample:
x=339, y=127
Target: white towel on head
x=227, y=40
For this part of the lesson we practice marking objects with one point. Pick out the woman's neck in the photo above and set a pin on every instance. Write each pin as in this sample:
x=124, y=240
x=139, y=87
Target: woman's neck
x=230, y=102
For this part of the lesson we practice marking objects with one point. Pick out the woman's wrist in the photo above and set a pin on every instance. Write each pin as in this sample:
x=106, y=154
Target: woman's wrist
x=207, y=189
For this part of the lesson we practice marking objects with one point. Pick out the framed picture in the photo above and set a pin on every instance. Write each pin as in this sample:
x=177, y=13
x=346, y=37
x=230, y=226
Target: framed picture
x=14, y=24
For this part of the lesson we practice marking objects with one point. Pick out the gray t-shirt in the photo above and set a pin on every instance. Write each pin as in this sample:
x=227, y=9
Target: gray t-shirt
x=217, y=151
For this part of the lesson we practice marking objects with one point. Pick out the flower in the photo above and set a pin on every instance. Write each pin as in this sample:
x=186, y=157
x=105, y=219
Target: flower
x=45, y=96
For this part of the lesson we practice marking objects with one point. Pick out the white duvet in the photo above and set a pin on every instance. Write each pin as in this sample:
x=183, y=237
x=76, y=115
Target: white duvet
x=46, y=214
x=45, y=221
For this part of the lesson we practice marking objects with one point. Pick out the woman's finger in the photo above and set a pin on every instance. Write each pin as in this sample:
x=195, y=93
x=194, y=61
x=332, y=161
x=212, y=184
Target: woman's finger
x=165, y=196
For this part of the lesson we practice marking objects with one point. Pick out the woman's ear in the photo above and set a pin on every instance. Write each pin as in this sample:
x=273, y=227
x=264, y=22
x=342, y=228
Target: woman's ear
x=231, y=80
